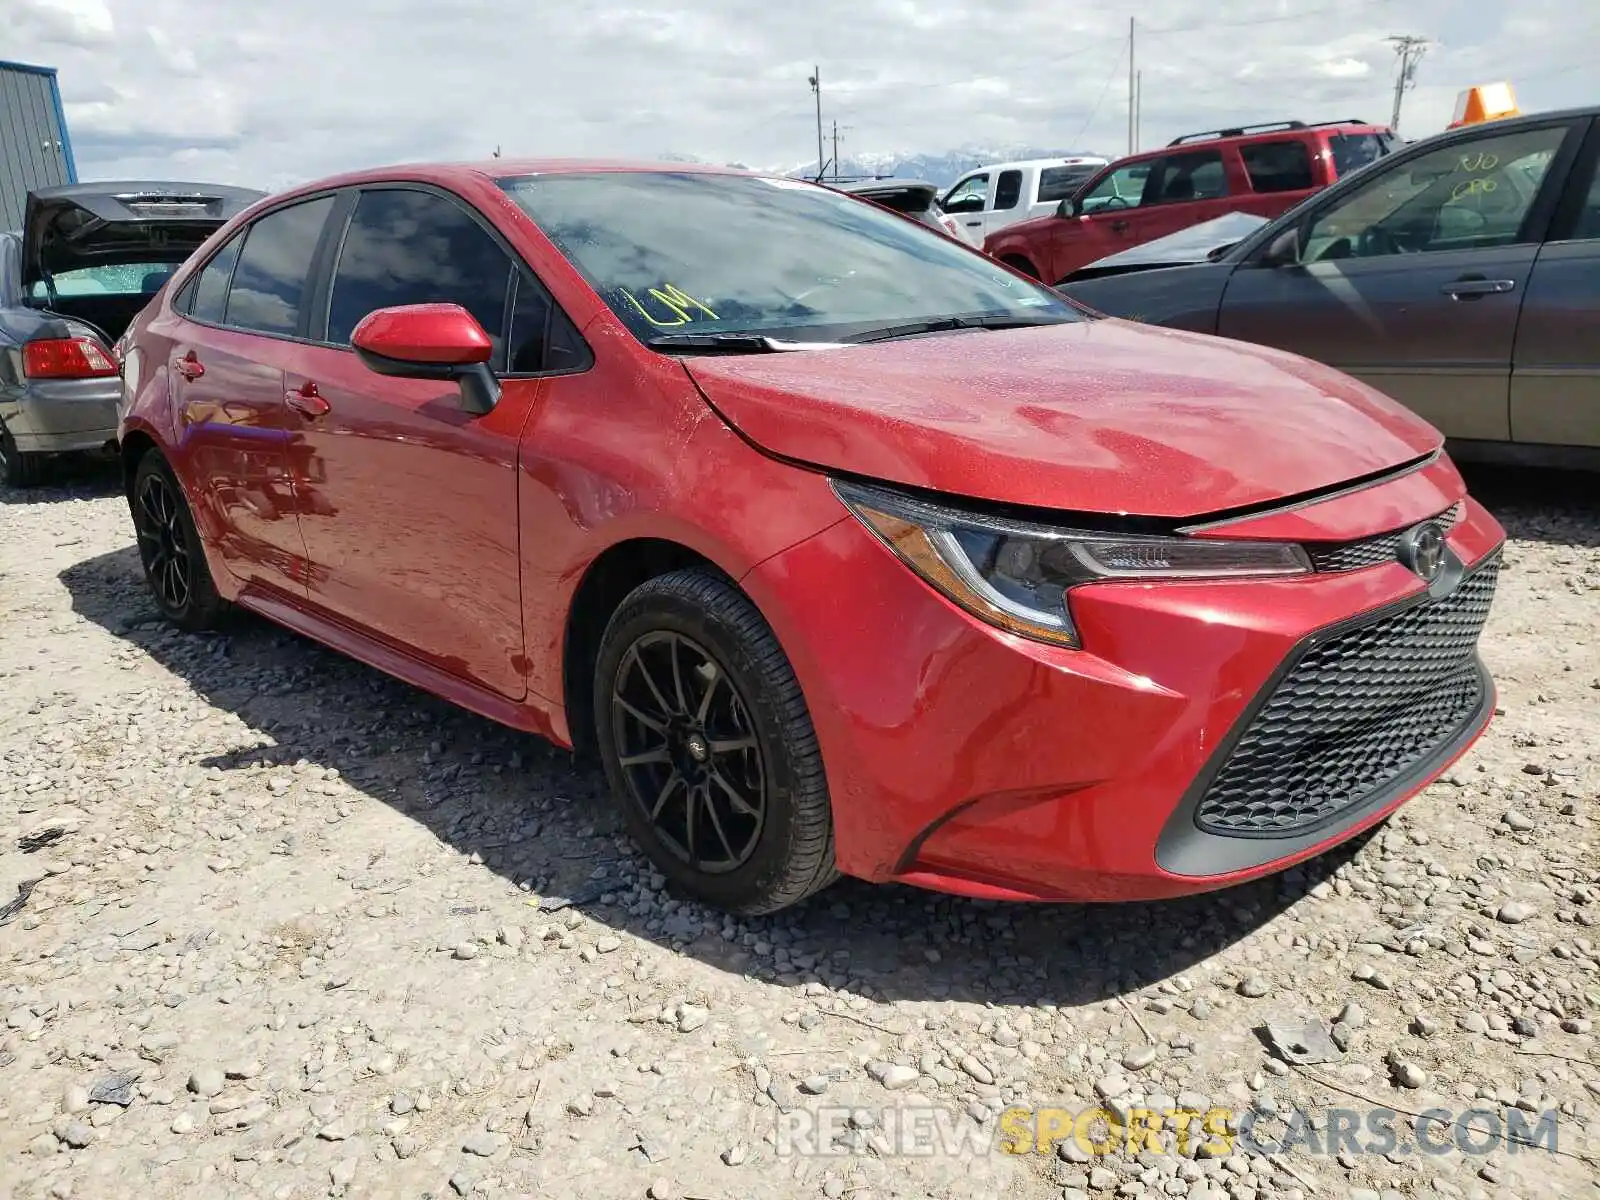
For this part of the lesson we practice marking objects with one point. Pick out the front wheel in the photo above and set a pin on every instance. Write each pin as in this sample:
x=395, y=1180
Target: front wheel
x=709, y=748
x=169, y=547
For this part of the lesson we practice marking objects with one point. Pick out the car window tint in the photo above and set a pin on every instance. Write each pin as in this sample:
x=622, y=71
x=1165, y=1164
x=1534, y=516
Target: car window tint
x=1008, y=189
x=1588, y=225
x=1057, y=183
x=208, y=295
x=969, y=195
x=1180, y=178
x=269, y=282
x=1122, y=188
x=542, y=338
x=1468, y=195
x=1352, y=151
x=409, y=247
x=1277, y=166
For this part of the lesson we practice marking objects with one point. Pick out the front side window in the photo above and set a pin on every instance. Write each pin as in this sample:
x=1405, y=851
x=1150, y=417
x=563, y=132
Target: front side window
x=968, y=196
x=1277, y=166
x=1122, y=188
x=411, y=247
x=692, y=252
x=1180, y=178
x=1469, y=195
x=1058, y=183
x=1008, y=190
x=269, y=283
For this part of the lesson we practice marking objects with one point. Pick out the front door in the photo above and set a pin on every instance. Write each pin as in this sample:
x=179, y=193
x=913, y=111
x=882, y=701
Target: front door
x=1412, y=281
x=409, y=504
x=967, y=202
x=1555, y=382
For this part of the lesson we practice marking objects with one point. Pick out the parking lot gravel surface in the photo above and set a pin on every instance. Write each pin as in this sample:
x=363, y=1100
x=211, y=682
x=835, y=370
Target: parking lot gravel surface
x=281, y=927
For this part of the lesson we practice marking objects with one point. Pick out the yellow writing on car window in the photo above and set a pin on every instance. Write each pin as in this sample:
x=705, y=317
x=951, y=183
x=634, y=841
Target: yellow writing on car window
x=1479, y=161
x=674, y=300
x=1468, y=187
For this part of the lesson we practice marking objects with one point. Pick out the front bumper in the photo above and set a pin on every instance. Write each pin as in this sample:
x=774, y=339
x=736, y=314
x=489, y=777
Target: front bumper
x=62, y=416
x=968, y=760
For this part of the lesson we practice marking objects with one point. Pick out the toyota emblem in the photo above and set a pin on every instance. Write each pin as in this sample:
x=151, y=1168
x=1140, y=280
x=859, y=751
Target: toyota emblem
x=1422, y=550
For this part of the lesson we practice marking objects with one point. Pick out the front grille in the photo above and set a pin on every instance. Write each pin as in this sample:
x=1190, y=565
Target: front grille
x=1352, y=715
x=1352, y=556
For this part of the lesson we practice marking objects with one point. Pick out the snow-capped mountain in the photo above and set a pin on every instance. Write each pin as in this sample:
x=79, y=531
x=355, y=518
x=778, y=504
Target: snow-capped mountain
x=941, y=169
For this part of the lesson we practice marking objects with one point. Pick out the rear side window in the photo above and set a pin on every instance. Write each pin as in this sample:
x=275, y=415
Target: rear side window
x=269, y=282
x=1058, y=183
x=1008, y=189
x=207, y=298
x=1588, y=225
x=1352, y=151
x=1183, y=177
x=411, y=247
x=1277, y=166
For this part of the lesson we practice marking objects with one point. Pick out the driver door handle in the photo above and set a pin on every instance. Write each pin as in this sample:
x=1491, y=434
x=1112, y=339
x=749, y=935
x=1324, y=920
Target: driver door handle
x=307, y=401
x=1118, y=227
x=1472, y=286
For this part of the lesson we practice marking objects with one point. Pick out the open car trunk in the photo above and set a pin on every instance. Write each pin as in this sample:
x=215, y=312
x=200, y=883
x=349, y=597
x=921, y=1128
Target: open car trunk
x=98, y=252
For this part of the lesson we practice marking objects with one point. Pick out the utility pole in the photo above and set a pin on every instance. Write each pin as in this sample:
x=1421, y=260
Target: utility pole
x=816, y=86
x=1409, y=51
x=1138, y=107
x=836, y=152
x=1133, y=85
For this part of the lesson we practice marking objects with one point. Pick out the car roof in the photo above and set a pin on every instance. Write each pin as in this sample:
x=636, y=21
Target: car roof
x=1072, y=160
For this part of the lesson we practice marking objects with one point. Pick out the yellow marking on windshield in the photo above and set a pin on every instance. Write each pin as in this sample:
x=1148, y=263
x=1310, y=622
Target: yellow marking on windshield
x=676, y=301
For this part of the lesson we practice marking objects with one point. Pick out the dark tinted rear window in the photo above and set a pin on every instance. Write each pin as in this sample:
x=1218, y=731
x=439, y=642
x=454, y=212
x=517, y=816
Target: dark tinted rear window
x=269, y=284
x=914, y=201
x=1008, y=190
x=1352, y=151
x=1277, y=166
x=209, y=298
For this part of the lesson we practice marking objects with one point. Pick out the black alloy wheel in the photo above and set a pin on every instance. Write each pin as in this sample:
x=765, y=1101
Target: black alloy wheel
x=169, y=547
x=708, y=745
x=686, y=747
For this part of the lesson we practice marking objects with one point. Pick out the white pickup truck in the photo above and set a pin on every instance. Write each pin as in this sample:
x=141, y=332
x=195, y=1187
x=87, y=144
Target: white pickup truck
x=992, y=197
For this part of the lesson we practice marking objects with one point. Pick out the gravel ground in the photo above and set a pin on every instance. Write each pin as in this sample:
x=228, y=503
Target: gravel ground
x=299, y=930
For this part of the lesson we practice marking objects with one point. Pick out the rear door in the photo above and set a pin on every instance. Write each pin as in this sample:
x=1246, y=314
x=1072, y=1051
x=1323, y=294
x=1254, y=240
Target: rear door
x=1280, y=172
x=1006, y=204
x=409, y=504
x=243, y=317
x=1412, y=277
x=1555, y=379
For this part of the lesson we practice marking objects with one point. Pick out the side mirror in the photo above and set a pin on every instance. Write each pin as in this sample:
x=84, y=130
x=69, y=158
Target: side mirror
x=431, y=341
x=1064, y=209
x=1283, y=250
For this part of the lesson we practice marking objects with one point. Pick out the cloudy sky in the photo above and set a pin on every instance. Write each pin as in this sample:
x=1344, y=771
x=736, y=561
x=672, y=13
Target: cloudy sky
x=272, y=92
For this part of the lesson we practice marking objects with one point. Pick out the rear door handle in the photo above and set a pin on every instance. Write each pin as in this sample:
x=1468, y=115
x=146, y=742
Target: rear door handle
x=307, y=401
x=1461, y=288
x=189, y=367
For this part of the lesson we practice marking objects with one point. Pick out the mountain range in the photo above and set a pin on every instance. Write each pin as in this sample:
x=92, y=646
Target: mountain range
x=942, y=169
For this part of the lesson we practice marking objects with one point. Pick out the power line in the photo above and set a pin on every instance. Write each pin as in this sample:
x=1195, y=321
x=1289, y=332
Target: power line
x=1331, y=10
x=1104, y=92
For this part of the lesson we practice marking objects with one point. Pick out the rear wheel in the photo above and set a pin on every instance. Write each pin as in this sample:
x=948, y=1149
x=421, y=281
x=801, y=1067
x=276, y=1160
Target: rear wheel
x=169, y=547
x=17, y=469
x=709, y=747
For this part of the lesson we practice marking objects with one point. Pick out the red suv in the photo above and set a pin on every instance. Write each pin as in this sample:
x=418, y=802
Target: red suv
x=1260, y=169
x=844, y=548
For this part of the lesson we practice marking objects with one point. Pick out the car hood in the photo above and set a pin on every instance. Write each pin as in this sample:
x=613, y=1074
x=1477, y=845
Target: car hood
x=1098, y=416
x=1192, y=245
x=134, y=221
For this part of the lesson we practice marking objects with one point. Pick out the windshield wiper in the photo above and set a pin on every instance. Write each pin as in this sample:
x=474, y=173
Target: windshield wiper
x=947, y=324
x=732, y=343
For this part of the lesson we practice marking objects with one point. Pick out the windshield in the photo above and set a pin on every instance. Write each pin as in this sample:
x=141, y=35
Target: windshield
x=701, y=253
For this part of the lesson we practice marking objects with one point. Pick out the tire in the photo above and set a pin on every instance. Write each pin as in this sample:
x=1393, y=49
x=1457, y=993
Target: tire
x=17, y=469
x=174, y=560
x=1021, y=264
x=695, y=643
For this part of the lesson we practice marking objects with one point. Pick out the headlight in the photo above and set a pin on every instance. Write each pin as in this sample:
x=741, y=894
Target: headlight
x=1016, y=575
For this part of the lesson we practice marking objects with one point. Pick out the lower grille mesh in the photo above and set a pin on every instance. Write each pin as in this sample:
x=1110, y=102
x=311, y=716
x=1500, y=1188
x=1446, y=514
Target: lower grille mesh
x=1352, y=715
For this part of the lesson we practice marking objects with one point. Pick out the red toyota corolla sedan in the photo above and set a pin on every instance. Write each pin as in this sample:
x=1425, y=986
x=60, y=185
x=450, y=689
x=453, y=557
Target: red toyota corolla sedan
x=843, y=547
